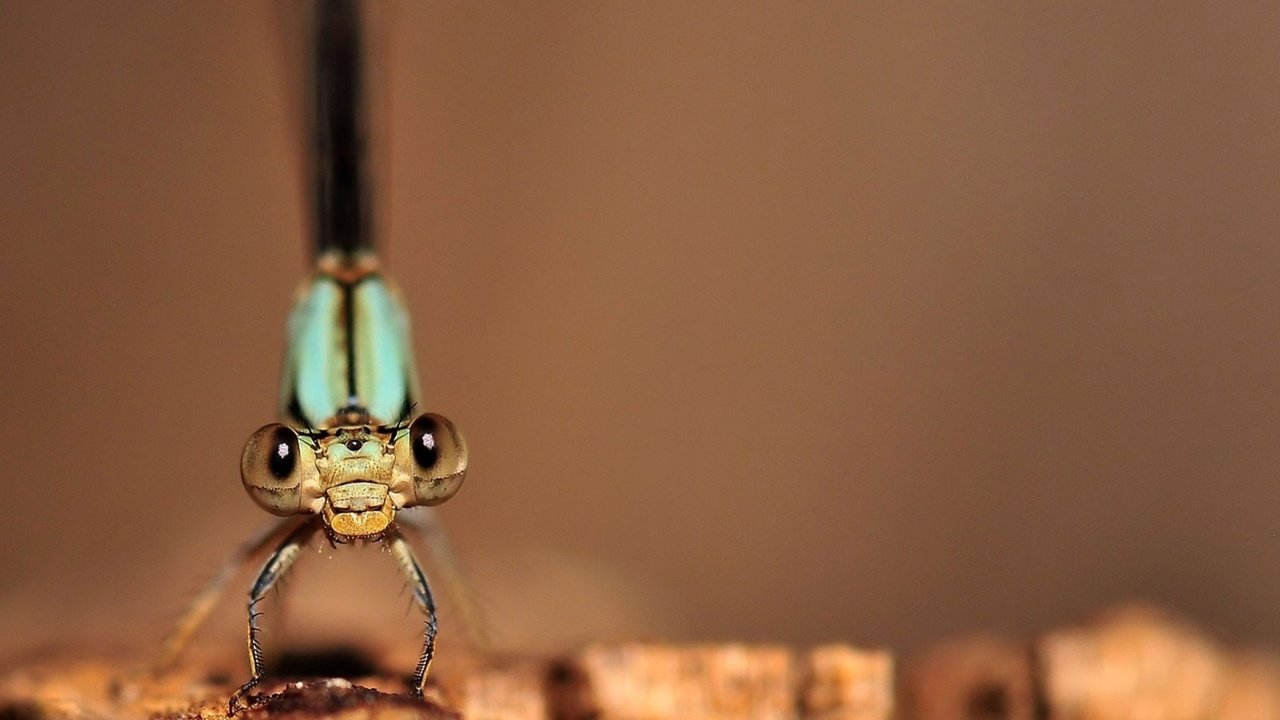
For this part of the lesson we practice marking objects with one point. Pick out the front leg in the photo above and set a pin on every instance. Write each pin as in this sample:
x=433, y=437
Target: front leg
x=423, y=526
x=279, y=562
x=412, y=570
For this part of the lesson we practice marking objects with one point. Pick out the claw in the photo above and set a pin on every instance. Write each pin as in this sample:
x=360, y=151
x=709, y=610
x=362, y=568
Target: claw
x=233, y=705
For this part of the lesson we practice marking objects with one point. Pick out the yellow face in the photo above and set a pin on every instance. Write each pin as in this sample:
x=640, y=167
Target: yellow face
x=355, y=476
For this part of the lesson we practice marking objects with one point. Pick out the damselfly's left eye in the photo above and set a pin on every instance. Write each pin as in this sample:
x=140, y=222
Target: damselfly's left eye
x=274, y=466
x=433, y=456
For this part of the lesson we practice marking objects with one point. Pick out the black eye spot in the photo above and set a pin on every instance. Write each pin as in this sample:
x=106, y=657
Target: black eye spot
x=355, y=445
x=423, y=434
x=283, y=456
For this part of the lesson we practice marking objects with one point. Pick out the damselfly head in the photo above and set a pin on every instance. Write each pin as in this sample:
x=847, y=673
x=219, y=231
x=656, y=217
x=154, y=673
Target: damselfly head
x=354, y=476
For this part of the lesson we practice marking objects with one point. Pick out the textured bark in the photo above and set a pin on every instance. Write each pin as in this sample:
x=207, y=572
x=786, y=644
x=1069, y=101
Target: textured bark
x=1138, y=662
x=844, y=683
x=1134, y=663
x=627, y=681
x=636, y=681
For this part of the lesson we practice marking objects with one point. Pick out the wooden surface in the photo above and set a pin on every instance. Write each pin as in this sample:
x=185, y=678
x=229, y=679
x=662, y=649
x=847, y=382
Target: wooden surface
x=1130, y=663
x=1140, y=663
x=1133, y=663
x=633, y=681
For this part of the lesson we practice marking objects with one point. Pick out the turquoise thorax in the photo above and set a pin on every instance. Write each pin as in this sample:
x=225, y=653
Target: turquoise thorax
x=348, y=345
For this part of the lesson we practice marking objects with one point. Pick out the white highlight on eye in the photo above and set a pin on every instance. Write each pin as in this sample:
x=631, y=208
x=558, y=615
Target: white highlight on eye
x=282, y=450
x=429, y=441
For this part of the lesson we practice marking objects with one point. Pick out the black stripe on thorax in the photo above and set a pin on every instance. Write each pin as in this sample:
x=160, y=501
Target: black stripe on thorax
x=349, y=327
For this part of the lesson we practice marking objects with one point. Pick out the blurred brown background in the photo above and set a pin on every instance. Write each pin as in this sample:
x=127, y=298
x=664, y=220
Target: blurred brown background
x=769, y=321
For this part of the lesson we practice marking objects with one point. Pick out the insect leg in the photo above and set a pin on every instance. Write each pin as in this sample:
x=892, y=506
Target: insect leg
x=422, y=593
x=425, y=525
x=275, y=567
x=204, y=603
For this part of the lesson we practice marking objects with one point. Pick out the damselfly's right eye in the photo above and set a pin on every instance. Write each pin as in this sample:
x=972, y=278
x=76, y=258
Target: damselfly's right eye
x=431, y=458
x=273, y=468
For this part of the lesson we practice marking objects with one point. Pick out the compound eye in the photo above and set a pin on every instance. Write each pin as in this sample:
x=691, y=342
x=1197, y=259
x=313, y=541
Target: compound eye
x=273, y=468
x=433, y=456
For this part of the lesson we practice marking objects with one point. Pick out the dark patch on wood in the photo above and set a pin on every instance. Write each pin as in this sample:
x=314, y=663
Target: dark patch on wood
x=988, y=702
x=339, y=661
x=979, y=677
x=21, y=711
x=567, y=690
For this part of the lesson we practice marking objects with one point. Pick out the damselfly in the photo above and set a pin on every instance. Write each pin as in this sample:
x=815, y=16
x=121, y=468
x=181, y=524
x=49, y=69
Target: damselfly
x=345, y=457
